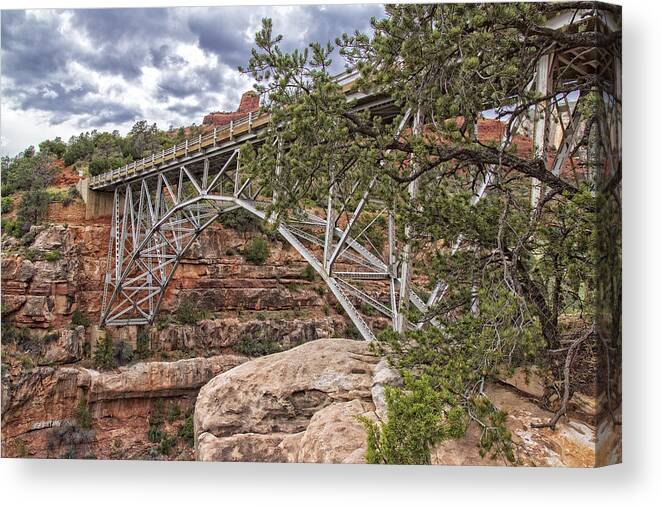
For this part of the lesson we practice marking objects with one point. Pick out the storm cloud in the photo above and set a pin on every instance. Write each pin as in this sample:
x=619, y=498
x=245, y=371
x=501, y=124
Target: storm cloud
x=107, y=68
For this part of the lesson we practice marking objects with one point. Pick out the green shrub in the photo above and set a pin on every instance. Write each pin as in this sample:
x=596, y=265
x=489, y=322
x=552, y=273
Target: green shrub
x=110, y=355
x=30, y=254
x=142, y=345
x=257, y=347
x=52, y=256
x=269, y=230
x=7, y=204
x=163, y=321
x=82, y=414
x=103, y=353
x=256, y=251
x=26, y=361
x=78, y=318
x=309, y=273
x=122, y=353
x=154, y=434
x=173, y=412
x=187, y=431
x=33, y=208
x=56, y=194
x=167, y=442
x=12, y=227
x=417, y=418
x=71, y=195
x=51, y=337
x=13, y=334
x=240, y=220
x=101, y=165
x=368, y=310
x=352, y=332
x=189, y=312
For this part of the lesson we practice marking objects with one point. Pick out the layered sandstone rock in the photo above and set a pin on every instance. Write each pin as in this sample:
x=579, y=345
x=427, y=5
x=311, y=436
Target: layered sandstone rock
x=47, y=365
x=293, y=406
x=217, y=334
x=41, y=406
x=42, y=294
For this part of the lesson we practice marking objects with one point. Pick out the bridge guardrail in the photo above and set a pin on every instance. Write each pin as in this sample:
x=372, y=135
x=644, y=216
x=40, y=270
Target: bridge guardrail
x=223, y=133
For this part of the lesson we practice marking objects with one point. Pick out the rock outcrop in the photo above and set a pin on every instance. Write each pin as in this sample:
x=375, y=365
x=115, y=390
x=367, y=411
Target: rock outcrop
x=305, y=405
x=299, y=405
x=249, y=104
x=268, y=333
x=44, y=409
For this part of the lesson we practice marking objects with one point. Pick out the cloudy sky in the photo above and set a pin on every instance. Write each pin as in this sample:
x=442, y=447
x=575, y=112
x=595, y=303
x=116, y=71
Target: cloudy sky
x=67, y=71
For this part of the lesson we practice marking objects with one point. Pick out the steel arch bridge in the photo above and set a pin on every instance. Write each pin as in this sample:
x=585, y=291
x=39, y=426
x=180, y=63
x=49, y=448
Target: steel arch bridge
x=162, y=203
x=157, y=218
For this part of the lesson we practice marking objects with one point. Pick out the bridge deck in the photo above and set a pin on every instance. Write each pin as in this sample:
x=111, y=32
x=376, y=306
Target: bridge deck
x=220, y=136
x=231, y=135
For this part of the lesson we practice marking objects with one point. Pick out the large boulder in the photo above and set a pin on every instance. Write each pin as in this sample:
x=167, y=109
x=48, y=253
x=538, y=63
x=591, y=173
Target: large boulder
x=335, y=435
x=298, y=405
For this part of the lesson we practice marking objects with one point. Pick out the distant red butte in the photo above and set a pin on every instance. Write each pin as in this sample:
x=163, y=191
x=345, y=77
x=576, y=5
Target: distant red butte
x=249, y=104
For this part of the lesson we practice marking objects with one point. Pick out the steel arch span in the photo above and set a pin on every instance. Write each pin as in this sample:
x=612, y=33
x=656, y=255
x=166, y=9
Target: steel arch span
x=157, y=218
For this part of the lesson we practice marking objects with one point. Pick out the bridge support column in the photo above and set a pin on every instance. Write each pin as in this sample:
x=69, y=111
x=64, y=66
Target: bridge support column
x=405, y=284
x=97, y=204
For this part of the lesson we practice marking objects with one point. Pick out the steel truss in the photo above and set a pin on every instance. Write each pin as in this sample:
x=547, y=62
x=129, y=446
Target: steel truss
x=158, y=215
x=156, y=219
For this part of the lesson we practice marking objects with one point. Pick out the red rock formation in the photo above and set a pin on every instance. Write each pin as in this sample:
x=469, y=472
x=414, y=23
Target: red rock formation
x=249, y=104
